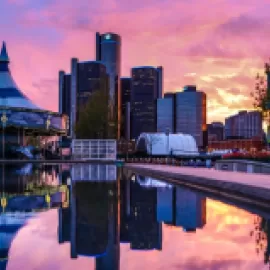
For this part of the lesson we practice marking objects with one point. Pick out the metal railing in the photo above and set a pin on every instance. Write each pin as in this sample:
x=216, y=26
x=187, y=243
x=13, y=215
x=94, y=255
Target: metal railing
x=94, y=149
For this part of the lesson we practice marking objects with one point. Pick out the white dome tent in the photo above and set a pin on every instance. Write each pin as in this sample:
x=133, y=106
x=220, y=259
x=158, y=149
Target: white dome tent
x=160, y=144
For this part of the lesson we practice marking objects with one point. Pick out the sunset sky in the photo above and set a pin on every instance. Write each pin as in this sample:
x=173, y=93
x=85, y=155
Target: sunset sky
x=218, y=45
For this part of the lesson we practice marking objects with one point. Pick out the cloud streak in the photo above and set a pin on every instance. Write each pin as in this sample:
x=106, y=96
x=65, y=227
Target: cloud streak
x=222, y=47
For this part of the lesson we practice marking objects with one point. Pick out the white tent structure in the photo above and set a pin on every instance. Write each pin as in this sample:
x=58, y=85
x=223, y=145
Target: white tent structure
x=162, y=144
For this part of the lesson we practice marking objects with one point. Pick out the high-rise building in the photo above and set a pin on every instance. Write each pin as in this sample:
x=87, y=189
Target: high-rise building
x=172, y=95
x=108, y=50
x=64, y=93
x=146, y=83
x=215, y=131
x=76, y=88
x=244, y=125
x=191, y=114
x=125, y=88
x=165, y=115
x=128, y=121
x=92, y=77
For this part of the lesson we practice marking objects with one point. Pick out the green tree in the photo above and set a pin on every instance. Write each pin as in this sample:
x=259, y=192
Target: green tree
x=94, y=119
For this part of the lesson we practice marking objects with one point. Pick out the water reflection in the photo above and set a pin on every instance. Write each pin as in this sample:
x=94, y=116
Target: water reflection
x=101, y=211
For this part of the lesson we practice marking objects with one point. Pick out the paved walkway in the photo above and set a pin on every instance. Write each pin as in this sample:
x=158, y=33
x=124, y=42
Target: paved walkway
x=255, y=186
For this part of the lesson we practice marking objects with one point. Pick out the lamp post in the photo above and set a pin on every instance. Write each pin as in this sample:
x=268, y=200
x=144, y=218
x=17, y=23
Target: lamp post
x=168, y=138
x=48, y=123
x=4, y=120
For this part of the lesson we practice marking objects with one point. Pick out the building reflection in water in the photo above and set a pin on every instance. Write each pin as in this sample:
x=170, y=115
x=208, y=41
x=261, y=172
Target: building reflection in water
x=20, y=200
x=146, y=203
x=91, y=222
x=190, y=210
x=99, y=208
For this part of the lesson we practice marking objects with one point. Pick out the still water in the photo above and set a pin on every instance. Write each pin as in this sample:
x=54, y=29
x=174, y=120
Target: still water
x=98, y=217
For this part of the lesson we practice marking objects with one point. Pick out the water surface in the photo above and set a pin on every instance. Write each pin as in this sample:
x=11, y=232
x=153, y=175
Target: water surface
x=93, y=217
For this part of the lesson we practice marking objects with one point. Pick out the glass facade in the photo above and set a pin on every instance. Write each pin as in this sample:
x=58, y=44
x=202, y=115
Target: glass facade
x=91, y=77
x=108, y=50
x=125, y=98
x=244, y=125
x=191, y=114
x=215, y=131
x=145, y=84
x=65, y=94
x=76, y=88
x=165, y=115
x=73, y=96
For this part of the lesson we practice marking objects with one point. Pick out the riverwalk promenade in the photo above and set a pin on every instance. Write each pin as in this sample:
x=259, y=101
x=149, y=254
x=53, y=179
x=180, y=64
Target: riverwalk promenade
x=255, y=188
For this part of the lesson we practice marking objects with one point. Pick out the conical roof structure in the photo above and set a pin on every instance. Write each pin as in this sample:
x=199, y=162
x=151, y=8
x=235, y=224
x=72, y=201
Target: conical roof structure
x=10, y=94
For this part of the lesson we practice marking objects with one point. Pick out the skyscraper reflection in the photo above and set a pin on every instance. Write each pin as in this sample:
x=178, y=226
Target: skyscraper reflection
x=190, y=209
x=145, y=230
x=124, y=209
x=91, y=222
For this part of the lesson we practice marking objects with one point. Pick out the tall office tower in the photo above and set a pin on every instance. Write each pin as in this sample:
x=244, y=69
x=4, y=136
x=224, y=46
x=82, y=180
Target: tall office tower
x=145, y=90
x=215, y=131
x=65, y=95
x=108, y=50
x=245, y=125
x=172, y=95
x=128, y=121
x=86, y=78
x=191, y=114
x=125, y=87
x=165, y=115
x=160, y=81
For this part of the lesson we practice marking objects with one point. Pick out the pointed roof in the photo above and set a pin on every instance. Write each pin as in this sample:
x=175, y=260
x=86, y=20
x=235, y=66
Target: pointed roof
x=10, y=94
x=4, y=56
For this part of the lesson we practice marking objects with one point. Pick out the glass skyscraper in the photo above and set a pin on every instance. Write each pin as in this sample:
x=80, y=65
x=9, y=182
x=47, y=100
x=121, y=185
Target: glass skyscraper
x=191, y=114
x=64, y=94
x=125, y=99
x=165, y=115
x=146, y=88
x=76, y=88
x=108, y=50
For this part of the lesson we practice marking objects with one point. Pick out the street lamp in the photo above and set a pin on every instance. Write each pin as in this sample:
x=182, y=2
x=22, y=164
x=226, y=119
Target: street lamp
x=4, y=120
x=168, y=138
x=48, y=123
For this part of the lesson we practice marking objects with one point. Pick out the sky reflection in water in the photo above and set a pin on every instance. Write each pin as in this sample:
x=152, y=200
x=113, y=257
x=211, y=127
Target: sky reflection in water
x=224, y=240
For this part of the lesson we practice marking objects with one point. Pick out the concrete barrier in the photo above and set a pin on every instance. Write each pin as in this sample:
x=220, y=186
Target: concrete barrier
x=248, y=166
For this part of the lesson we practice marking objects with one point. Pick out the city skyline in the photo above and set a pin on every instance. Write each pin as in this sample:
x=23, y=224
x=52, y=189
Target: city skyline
x=214, y=53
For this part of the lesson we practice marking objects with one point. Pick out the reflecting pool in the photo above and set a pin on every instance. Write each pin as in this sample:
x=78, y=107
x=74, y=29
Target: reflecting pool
x=100, y=217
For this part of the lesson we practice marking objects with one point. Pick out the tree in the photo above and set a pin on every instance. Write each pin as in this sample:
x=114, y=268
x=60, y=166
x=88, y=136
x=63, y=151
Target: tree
x=94, y=121
x=261, y=96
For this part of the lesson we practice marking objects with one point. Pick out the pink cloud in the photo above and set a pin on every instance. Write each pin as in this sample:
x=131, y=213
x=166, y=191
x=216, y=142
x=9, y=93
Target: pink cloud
x=202, y=37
